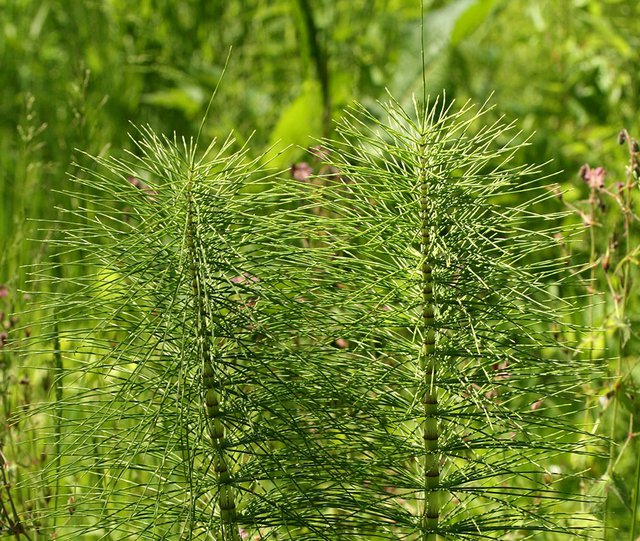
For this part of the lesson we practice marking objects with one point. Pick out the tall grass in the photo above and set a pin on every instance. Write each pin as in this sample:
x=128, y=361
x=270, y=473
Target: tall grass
x=608, y=262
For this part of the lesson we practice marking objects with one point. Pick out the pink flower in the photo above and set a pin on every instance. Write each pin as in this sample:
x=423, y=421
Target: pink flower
x=593, y=177
x=301, y=171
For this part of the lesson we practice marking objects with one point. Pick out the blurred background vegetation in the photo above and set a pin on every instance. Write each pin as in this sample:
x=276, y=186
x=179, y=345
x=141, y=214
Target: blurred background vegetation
x=75, y=75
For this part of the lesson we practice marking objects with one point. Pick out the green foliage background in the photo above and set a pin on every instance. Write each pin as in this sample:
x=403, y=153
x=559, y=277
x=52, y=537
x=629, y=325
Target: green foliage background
x=75, y=74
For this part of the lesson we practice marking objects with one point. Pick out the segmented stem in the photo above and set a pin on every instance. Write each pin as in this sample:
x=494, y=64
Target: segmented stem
x=428, y=367
x=211, y=384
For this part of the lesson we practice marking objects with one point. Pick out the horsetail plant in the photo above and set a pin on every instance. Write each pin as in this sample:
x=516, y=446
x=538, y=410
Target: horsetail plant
x=446, y=281
x=183, y=389
x=367, y=354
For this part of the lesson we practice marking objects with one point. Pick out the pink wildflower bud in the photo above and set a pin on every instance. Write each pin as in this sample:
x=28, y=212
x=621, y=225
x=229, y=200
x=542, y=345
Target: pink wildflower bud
x=301, y=171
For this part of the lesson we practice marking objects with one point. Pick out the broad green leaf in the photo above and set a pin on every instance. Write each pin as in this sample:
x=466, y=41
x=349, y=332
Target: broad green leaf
x=620, y=489
x=629, y=397
x=298, y=126
x=471, y=19
x=188, y=98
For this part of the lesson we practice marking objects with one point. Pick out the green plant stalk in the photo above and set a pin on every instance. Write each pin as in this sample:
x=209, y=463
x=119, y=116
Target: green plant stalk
x=634, y=517
x=428, y=365
x=210, y=383
x=614, y=416
x=13, y=519
x=319, y=59
x=59, y=373
x=621, y=310
x=592, y=281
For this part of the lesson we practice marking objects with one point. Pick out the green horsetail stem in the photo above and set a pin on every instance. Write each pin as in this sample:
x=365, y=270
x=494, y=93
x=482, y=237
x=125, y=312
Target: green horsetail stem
x=211, y=388
x=428, y=367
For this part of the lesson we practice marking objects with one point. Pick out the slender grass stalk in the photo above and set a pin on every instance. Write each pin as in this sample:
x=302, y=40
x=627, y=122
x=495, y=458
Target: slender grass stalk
x=634, y=516
x=11, y=518
x=59, y=389
x=610, y=211
x=620, y=295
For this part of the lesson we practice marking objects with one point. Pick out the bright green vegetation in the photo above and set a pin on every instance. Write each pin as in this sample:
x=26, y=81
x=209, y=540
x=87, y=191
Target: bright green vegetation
x=411, y=343
x=359, y=355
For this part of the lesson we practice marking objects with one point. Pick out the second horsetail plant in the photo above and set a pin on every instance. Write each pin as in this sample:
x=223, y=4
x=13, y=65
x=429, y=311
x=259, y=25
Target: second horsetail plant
x=365, y=354
x=445, y=301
